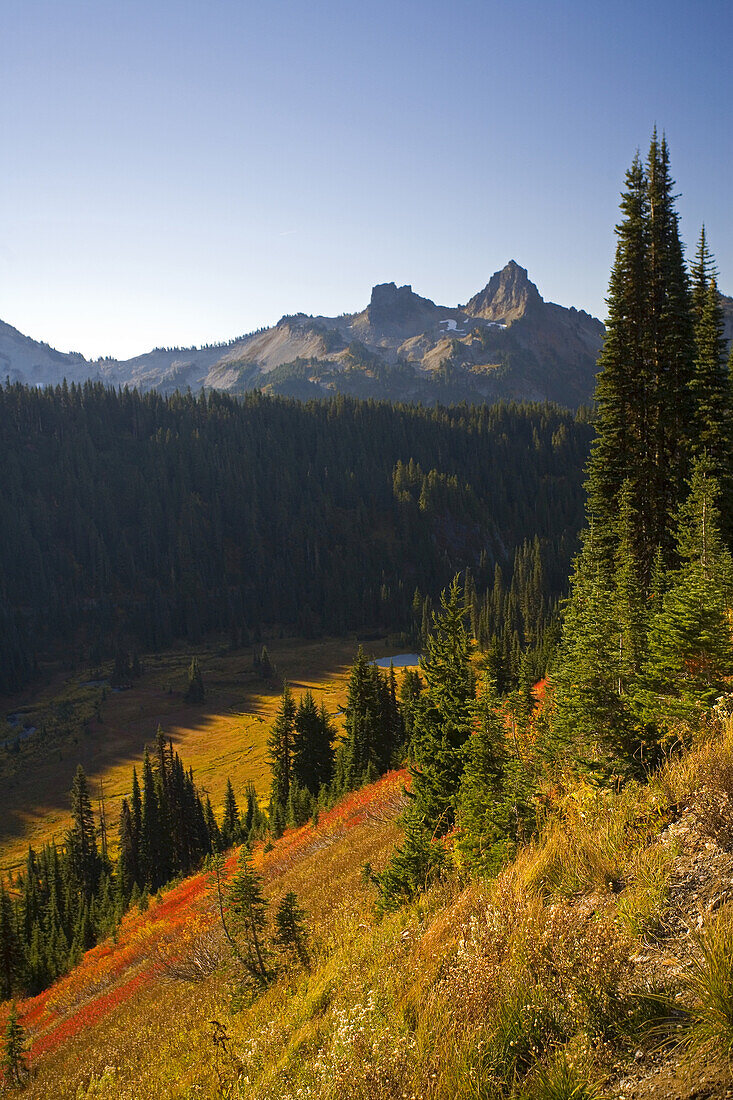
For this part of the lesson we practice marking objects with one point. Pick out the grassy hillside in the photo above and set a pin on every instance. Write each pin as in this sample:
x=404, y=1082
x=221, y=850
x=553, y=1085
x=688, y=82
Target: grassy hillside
x=608, y=935
x=225, y=736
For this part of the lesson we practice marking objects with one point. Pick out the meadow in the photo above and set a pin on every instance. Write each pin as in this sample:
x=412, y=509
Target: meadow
x=80, y=720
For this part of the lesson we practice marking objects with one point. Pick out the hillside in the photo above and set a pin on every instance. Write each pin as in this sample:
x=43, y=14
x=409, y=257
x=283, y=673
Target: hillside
x=565, y=972
x=506, y=343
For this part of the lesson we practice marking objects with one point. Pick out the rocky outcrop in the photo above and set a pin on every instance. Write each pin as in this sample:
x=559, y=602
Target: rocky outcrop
x=508, y=295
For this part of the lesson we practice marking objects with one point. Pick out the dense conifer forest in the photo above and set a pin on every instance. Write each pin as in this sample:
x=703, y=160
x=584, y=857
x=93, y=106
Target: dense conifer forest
x=132, y=521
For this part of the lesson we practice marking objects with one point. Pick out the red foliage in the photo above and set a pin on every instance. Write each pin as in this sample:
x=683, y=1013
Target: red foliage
x=85, y=1017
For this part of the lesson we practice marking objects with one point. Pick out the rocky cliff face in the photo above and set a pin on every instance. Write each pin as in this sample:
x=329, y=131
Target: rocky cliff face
x=508, y=295
x=397, y=307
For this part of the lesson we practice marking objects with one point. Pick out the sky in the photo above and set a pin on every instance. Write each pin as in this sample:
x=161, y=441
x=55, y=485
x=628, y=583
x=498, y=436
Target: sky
x=179, y=173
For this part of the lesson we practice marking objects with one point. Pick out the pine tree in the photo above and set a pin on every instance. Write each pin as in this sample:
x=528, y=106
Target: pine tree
x=195, y=692
x=244, y=917
x=711, y=387
x=231, y=826
x=443, y=714
x=11, y=957
x=82, y=837
x=280, y=749
x=312, y=745
x=290, y=931
x=14, y=1052
x=690, y=653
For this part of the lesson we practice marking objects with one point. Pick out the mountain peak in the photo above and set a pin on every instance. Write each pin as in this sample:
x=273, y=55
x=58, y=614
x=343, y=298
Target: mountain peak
x=393, y=305
x=508, y=295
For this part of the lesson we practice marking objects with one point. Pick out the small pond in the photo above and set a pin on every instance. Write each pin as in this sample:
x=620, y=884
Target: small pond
x=400, y=660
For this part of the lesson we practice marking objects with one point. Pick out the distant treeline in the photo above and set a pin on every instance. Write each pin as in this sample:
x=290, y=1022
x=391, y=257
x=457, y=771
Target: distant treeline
x=134, y=520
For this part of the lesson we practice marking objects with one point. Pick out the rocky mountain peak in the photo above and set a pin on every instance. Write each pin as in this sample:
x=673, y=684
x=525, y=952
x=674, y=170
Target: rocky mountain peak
x=393, y=305
x=508, y=295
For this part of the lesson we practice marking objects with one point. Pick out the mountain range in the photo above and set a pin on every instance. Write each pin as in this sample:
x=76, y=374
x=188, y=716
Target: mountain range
x=506, y=342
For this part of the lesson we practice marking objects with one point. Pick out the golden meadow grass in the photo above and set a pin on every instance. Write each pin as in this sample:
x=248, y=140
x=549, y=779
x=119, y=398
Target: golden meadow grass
x=224, y=737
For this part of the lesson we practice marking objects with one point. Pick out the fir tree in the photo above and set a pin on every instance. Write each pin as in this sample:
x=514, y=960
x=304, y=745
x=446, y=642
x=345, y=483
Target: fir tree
x=136, y=818
x=151, y=862
x=127, y=869
x=412, y=866
x=592, y=720
x=212, y=827
x=280, y=750
x=82, y=838
x=231, y=827
x=689, y=647
x=363, y=747
x=11, y=956
x=670, y=330
x=244, y=916
x=195, y=692
x=312, y=745
x=495, y=799
x=14, y=1052
x=290, y=931
x=252, y=812
x=645, y=403
x=443, y=715
x=623, y=448
x=710, y=385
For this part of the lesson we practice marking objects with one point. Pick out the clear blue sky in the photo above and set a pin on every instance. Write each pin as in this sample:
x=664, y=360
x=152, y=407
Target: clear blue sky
x=182, y=172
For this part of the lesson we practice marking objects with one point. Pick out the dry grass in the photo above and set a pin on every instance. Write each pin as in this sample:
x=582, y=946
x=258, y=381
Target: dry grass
x=706, y=991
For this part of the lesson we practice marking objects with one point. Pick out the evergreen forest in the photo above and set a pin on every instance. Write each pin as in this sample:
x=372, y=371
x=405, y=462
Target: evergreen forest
x=133, y=521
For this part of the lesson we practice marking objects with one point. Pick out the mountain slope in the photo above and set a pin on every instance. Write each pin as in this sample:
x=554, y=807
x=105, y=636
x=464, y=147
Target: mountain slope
x=506, y=343
x=560, y=968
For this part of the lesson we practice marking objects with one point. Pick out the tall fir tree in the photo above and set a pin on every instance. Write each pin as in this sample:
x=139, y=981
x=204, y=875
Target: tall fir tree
x=623, y=448
x=672, y=347
x=11, y=952
x=280, y=750
x=82, y=837
x=312, y=745
x=443, y=714
x=711, y=382
x=231, y=826
x=645, y=420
